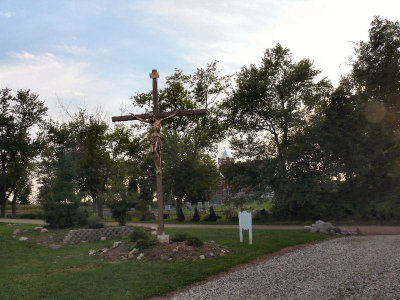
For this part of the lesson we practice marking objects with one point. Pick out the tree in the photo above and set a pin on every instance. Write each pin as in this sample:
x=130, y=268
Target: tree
x=188, y=170
x=19, y=115
x=61, y=199
x=270, y=105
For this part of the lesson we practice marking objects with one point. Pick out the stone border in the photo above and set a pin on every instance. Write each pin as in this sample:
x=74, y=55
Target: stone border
x=91, y=235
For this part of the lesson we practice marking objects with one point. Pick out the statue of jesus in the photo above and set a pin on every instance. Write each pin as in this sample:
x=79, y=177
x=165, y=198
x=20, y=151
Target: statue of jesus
x=155, y=139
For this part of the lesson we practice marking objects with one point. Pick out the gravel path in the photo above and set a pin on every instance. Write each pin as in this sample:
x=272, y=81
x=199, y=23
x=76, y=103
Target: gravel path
x=366, y=267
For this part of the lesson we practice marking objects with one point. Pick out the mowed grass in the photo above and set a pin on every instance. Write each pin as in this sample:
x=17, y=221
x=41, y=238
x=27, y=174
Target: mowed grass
x=31, y=271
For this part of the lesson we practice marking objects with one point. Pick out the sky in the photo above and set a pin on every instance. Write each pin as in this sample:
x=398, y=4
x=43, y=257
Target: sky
x=85, y=54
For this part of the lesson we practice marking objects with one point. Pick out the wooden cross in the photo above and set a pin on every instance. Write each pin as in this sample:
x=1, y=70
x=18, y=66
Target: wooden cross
x=154, y=119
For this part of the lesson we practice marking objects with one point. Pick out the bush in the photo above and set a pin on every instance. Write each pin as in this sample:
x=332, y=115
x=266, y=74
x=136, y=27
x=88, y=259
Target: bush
x=94, y=222
x=139, y=233
x=196, y=216
x=180, y=215
x=194, y=241
x=144, y=243
x=60, y=199
x=37, y=215
x=212, y=216
x=262, y=215
x=180, y=237
x=119, y=201
x=232, y=215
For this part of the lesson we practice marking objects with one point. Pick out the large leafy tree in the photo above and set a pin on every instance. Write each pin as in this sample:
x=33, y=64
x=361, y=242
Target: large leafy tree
x=188, y=170
x=20, y=114
x=269, y=107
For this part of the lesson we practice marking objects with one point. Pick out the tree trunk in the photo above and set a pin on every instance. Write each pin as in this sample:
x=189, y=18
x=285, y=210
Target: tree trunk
x=14, y=206
x=3, y=199
x=99, y=207
x=94, y=205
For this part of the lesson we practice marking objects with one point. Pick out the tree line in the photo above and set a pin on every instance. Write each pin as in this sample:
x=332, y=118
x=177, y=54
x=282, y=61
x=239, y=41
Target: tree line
x=322, y=151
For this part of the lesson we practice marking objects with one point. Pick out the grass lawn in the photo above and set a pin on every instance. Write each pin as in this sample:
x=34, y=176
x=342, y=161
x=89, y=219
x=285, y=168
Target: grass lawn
x=31, y=271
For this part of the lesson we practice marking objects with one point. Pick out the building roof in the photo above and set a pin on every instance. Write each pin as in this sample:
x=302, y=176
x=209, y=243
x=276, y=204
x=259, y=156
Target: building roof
x=225, y=155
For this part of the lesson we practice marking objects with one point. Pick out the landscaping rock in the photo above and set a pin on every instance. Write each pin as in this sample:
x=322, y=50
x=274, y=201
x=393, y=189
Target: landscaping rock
x=202, y=257
x=154, y=232
x=103, y=238
x=23, y=238
x=116, y=244
x=134, y=251
x=9, y=224
x=324, y=227
x=17, y=231
x=55, y=247
x=164, y=257
x=92, y=252
x=140, y=256
x=44, y=230
x=212, y=254
x=175, y=250
x=38, y=228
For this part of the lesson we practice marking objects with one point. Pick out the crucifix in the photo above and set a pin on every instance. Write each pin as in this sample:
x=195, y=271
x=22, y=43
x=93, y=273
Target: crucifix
x=154, y=119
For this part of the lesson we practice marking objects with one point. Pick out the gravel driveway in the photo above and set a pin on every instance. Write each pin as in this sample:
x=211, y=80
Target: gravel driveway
x=366, y=267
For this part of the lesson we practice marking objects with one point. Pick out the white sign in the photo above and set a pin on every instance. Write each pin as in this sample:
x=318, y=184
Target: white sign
x=245, y=223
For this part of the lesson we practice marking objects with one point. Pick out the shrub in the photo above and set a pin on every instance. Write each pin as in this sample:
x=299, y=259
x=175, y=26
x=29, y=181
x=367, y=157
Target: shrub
x=37, y=215
x=180, y=215
x=232, y=215
x=119, y=201
x=144, y=243
x=194, y=241
x=138, y=233
x=61, y=199
x=180, y=237
x=196, y=216
x=261, y=215
x=212, y=216
x=94, y=222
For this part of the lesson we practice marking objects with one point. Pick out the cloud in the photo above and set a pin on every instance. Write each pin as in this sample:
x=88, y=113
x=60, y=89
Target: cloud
x=237, y=33
x=72, y=49
x=6, y=14
x=54, y=78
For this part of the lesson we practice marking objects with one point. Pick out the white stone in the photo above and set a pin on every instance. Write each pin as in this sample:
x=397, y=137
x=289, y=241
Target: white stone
x=202, y=257
x=134, y=251
x=44, y=230
x=163, y=238
x=175, y=250
x=103, y=238
x=38, y=228
x=9, y=224
x=116, y=244
x=212, y=254
x=222, y=251
x=140, y=256
x=92, y=252
x=154, y=232
x=16, y=231
x=130, y=256
x=313, y=228
x=23, y=238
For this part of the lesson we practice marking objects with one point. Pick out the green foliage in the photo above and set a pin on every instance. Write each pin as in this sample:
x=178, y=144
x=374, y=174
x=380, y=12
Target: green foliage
x=18, y=149
x=144, y=243
x=180, y=215
x=212, y=217
x=60, y=201
x=180, y=237
x=194, y=241
x=94, y=222
x=139, y=233
x=196, y=216
x=119, y=201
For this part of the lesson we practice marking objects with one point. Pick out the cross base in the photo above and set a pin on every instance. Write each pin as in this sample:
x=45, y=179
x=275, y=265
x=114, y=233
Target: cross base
x=163, y=238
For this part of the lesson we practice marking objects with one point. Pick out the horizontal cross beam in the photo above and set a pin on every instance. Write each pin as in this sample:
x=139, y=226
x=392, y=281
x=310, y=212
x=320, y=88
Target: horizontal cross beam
x=161, y=115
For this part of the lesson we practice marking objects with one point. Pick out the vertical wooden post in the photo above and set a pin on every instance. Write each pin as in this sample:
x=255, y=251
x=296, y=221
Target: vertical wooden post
x=160, y=205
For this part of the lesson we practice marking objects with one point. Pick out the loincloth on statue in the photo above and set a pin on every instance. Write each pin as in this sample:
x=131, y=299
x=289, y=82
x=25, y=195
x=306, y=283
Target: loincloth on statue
x=156, y=142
